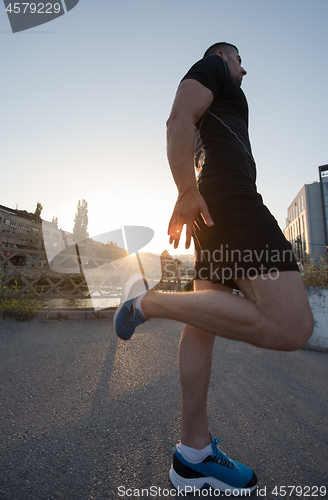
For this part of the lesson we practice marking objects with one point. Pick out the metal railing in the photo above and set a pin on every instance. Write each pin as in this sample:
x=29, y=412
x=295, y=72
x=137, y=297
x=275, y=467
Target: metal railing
x=27, y=272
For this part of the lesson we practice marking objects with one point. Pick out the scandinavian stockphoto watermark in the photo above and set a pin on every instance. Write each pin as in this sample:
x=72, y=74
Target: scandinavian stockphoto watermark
x=26, y=15
x=108, y=262
x=225, y=264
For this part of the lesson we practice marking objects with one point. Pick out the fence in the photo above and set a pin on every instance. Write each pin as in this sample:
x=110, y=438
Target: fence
x=28, y=272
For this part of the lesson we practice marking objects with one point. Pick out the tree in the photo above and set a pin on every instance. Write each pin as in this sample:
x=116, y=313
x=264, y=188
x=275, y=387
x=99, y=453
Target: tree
x=55, y=222
x=38, y=209
x=80, y=229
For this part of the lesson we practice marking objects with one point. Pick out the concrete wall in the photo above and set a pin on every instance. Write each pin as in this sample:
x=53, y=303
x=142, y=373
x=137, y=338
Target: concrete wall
x=318, y=297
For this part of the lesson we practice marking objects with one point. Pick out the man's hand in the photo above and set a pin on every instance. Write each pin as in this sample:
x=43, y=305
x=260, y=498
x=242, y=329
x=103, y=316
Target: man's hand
x=187, y=208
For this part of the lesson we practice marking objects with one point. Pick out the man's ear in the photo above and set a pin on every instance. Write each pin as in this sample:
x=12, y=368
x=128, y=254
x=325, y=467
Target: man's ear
x=221, y=54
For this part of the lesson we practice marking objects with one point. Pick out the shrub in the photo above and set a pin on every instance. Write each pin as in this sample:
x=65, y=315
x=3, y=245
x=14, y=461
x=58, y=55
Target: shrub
x=315, y=272
x=20, y=308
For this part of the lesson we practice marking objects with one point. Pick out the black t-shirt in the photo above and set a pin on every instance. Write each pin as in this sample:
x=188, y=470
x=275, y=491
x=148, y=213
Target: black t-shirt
x=223, y=154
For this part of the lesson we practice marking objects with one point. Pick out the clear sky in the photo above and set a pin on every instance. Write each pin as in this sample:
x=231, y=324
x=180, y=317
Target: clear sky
x=85, y=99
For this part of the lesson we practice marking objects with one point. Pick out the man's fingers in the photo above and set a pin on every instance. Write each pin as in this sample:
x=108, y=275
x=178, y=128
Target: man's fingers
x=188, y=235
x=174, y=232
x=206, y=215
x=185, y=212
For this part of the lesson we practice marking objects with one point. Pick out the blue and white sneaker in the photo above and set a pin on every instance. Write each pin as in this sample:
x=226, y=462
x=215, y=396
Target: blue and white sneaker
x=127, y=317
x=216, y=471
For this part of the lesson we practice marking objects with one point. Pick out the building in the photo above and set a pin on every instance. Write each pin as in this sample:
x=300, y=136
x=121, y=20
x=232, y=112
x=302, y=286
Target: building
x=307, y=219
x=323, y=174
x=19, y=230
x=25, y=238
x=171, y=272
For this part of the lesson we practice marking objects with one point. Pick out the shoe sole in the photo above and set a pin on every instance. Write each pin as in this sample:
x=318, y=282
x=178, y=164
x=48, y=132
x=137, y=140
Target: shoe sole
x=127, y=290
x=114, y=321
x=190, y=485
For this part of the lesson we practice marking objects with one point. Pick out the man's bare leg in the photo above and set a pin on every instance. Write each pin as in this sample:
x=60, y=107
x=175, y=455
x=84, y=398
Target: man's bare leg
x=274, y=314
x=195, y=361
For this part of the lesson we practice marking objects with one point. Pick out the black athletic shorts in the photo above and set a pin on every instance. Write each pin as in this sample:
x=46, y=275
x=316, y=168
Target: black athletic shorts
x=244, y=242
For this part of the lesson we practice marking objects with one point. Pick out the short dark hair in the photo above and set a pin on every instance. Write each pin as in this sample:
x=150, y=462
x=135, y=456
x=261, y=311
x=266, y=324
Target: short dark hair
x=219, y=46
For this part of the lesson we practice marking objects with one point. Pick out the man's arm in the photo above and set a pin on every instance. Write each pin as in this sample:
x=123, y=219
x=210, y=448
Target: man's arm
x=191, y=101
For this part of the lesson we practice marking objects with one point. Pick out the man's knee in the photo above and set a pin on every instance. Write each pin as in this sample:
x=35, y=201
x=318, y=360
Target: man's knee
x=302, y=332
x=199, y=340
x=292, y=334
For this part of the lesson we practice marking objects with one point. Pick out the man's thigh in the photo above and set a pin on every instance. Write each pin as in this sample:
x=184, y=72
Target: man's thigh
x=282, y=300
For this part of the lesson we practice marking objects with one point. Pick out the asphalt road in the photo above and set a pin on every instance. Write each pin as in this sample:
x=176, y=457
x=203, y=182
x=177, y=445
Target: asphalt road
x=86, y=416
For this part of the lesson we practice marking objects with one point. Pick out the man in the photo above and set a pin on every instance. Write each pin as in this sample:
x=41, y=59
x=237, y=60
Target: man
x=238, y=244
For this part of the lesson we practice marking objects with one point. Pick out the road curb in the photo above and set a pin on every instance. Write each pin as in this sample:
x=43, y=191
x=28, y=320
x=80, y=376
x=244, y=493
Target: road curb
x=70, y=314
x=75, y=315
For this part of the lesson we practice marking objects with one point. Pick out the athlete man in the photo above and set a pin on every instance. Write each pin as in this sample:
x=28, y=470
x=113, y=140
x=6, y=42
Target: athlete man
x=238, y=244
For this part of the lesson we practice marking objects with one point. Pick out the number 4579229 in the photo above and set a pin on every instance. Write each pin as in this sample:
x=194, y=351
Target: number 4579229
x=40, y=8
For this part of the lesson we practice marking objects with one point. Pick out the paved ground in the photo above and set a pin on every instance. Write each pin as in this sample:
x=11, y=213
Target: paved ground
x=85, y=416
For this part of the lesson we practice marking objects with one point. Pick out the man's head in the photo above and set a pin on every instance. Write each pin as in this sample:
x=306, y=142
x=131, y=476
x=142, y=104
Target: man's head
x=231, y=55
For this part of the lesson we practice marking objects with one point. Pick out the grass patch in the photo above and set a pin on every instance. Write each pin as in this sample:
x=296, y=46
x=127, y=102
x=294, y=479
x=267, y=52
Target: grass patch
x=315, y=272
x=22, y=308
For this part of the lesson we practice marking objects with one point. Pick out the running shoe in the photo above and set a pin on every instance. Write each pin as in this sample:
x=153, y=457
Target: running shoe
x=216, y=471
x=127, y=317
